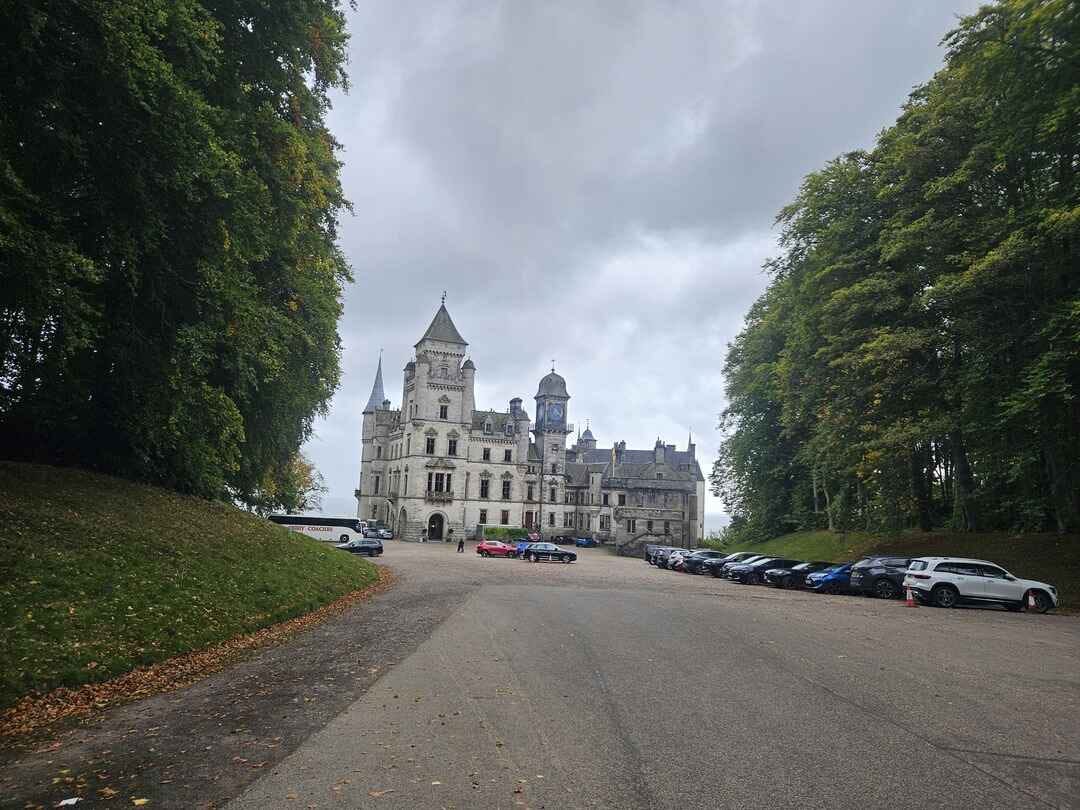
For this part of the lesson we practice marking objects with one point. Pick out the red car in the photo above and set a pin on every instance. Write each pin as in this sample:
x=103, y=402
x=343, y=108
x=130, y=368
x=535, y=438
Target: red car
x=493, y=548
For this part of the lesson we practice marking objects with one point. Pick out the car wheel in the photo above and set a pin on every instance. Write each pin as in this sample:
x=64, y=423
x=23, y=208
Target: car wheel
x=886, y=589
x=566, y=559
x=1042, y=601
x=944, y=596
x=535, y=558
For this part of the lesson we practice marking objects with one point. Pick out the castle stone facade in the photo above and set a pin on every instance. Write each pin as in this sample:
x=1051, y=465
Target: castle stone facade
x=439, y=467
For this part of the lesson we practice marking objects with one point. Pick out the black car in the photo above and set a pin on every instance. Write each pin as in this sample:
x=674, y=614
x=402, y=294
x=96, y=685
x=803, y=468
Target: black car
x=794, y=576
x=716, y=566
x=369, y=546
x=728, y=565
x=534, y=552
x=754, y=573
x=649, y=551
x=882, y=577
x=695, y=563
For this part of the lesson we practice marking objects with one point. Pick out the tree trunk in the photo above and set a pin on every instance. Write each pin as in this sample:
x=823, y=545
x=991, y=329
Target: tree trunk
x=919, y=489
x=828, y=506
x=814, y=488
x=964, y=487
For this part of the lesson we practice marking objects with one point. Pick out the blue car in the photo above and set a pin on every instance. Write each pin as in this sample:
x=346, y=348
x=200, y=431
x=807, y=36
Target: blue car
x=832, y=580
x=585, y=542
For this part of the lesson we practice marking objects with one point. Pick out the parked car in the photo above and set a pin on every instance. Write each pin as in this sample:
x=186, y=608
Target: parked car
x=520, y=546
x=495, y=548
x=370, y=547
x=585, y=542
x=795, y=576
x=882, y=577
x=830, y=580
x=675, y=559
x=663, y=556
x=951, y=581
x=386, y=534
x=728, y=565
x=754, y=573
x=562, y=539
x=648, y=552
x=549, y=551
x=695, y=563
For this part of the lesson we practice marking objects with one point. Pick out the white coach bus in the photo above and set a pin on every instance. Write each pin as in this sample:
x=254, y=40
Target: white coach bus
x=337, y=530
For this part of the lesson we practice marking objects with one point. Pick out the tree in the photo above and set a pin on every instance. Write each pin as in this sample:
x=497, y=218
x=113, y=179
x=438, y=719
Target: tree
x=294, y=487
x=169, y=197
x=925, y=369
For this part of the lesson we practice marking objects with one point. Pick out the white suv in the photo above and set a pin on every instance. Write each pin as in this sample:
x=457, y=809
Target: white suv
x=949, y=581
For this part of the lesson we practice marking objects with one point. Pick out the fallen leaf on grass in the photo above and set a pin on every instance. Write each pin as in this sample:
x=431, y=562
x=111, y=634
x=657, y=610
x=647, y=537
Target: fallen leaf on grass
x=140, y=802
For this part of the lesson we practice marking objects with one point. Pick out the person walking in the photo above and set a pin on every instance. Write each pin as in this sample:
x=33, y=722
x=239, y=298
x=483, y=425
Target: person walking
x=461, y=545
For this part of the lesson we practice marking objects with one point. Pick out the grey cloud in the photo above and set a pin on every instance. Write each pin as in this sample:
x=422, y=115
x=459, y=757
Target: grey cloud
x=595, y=182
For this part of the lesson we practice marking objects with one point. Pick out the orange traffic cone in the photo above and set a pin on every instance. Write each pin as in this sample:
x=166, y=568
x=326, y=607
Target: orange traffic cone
x=910, y=600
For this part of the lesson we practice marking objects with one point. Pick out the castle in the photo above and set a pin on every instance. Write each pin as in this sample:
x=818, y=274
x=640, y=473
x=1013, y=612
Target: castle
x=438, y=464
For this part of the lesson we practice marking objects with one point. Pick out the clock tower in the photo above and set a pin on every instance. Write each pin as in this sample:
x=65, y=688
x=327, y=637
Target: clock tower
x=550, y=433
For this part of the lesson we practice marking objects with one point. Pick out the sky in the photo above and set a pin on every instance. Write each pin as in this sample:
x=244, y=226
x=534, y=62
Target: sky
x=593, y=183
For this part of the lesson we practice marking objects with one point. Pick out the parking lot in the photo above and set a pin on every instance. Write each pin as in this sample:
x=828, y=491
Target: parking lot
x=611, y=683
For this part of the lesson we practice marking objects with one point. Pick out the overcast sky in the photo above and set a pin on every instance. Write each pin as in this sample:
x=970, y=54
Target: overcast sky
x=594, y=183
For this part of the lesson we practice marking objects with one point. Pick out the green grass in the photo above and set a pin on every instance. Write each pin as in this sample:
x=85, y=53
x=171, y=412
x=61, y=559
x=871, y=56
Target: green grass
x=1049, y=558
x=99, y=575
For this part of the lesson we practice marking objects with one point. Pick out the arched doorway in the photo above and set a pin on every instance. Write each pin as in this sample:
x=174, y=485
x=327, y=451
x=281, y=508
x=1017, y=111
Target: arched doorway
x=402, y=523
x=435, y=527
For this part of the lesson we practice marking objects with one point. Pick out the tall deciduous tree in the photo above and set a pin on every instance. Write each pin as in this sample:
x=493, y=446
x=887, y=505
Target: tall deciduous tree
x=927, y=369
x=169, y=197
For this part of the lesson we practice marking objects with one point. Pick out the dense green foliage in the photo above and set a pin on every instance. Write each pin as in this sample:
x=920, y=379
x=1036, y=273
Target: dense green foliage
x=168, y=204
x=915, y=361
x=99, y=575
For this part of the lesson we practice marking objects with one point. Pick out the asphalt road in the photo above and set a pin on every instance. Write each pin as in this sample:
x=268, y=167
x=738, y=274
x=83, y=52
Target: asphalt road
x=609, y=683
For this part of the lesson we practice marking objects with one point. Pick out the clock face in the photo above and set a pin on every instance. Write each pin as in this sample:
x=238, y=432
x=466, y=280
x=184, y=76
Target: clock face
x=555, y=412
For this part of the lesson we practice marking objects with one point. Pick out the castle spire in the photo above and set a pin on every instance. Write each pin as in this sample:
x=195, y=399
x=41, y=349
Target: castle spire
x=375, y=401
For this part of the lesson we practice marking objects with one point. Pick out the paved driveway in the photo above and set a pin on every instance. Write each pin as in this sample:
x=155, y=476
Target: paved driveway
x=606, y=683
x=610, y=683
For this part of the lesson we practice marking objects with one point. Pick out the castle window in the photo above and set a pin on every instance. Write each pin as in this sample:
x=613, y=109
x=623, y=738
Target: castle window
x=551, y=519
x=531, y=494
x=667, y=527
x=505, y=517
x=408, y=441
x=429, y=445
x=648, y=526
x=567, y=520
x=451, y=447
x=659, y=476
x=605, y=499
x=483, y=515
x=486, y=453
x=552, y=498
x=554, y=469
x=487, y=427
x=605, y=522
x=508, y=455
x=376, y=485
x=484, y=487
x=505, y=490
x=622, y=499
x=443, y=411
x=378, y=451
x=631, y=526
x=529, y=517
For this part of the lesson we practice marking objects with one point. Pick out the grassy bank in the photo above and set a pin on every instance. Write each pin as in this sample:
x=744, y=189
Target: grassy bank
x=1049, y=558
x=100, y=575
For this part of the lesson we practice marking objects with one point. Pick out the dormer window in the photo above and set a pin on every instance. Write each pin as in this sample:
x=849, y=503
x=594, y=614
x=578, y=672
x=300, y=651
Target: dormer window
x=487, y=427
x=659, y=476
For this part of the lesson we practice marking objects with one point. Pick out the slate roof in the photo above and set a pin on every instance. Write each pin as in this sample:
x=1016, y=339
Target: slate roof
x=442, y=328
x=498, y=421
x=642, y=463
x=552, y=385
x=375, y=401
x=579, y=473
